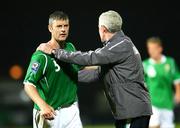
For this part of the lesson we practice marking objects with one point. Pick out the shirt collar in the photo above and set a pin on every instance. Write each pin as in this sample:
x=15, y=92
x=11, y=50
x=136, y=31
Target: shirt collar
x=118, y=34
x=163, y=60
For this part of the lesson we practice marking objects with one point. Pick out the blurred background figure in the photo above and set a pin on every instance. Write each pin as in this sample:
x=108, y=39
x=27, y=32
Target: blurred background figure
x=161, y=73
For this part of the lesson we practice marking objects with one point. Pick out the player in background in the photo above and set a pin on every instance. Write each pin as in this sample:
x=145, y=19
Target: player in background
x=52, y=85
x=161, y=72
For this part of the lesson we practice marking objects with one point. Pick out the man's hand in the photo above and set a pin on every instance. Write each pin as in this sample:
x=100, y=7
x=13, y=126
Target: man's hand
x=45, y=47
x=47, y=112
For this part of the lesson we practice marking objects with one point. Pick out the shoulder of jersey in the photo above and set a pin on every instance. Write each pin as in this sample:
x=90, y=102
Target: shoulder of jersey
x=70, y=45
x=169, y=58
x=39, y=54
x=146, y=60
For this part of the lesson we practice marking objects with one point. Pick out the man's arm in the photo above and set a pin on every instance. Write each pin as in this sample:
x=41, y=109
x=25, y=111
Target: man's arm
x=176, y=75
x=176, y=81
x=177, y=93
x=46, y=110
x=98, y=57
x=105, y=55
x=34, y=73
x=89, y=74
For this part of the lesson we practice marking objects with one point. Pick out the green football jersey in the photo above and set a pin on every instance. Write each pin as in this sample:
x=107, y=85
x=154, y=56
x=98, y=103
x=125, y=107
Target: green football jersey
x=160, y=78
x=55, y=81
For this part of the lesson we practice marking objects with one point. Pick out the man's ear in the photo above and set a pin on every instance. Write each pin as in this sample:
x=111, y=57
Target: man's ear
x=104, y=29
x=50, y=28
x=161, y=49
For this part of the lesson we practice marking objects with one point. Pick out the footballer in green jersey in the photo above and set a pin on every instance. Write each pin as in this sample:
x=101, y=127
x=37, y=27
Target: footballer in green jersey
x=160, y=78
x=163, y=82
x=51, y=84
x=52, y=79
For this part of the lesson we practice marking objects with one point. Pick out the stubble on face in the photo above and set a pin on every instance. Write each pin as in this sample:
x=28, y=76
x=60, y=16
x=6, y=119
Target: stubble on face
x=60, y=30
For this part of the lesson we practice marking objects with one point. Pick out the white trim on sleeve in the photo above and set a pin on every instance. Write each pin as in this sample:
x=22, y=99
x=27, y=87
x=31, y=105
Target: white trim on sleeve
x=177, y=81
x=29, y=83
x=117, y=44
x=45, y=63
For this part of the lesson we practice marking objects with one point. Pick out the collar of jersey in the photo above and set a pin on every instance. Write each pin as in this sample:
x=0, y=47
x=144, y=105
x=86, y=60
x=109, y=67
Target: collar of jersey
x=163, y=60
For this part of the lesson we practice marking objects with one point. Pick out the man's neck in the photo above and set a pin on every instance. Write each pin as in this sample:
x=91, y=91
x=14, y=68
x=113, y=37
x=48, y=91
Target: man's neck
x=158, y=59
x=109, y=36
x=56, y=45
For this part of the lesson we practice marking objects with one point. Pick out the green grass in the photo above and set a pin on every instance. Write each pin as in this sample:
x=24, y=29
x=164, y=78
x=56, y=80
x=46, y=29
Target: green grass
x=177, y=125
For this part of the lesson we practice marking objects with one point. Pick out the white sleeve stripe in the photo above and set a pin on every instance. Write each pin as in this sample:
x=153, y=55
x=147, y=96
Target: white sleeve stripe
x=29, y=83
x=45, y=63
x=72, y=46
x=117, y=44
x=98, y=50
x=46, y=82
x=86, y=53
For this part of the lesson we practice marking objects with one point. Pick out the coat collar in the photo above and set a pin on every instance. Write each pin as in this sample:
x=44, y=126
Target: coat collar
x=117, y=35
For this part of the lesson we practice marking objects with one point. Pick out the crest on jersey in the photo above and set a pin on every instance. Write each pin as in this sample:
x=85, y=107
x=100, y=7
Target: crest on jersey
x=151, y=71
x=167, y=67
x=35, y=66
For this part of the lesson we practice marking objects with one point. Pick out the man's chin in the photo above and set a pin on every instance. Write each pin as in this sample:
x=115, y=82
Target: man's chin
x=62, y=40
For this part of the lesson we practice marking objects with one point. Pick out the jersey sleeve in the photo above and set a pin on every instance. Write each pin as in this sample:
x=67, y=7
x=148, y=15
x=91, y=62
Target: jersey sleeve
x=36, y=69
x=176, y=73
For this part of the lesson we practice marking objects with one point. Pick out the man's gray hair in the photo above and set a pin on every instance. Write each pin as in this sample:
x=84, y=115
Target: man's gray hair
x=111, y=20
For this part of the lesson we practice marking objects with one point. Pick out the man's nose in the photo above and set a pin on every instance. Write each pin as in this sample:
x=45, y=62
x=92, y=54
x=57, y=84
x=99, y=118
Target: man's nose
x=63, y=29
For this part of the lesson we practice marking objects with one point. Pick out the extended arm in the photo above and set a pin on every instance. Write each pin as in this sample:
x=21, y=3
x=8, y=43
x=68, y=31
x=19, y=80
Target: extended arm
x=177, y=92
x=97, y=57
x=110, y=53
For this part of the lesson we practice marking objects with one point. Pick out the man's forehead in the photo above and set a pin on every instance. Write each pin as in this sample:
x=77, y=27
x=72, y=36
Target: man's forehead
x=60, y=21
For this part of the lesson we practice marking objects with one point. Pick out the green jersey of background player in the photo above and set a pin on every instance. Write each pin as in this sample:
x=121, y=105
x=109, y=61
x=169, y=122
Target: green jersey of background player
x=52, y=84
x=160, y=78
x=161, y=73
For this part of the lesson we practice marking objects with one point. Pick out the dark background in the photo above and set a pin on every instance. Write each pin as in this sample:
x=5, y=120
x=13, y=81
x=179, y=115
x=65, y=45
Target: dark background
x=24, y=27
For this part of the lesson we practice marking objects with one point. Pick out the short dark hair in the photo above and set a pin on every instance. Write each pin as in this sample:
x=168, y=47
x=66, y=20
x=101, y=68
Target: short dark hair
x=58, y=15
x=155, y=40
